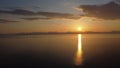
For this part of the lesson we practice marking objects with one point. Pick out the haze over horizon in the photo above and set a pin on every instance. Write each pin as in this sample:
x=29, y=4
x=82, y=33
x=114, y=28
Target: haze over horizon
x=18, y=16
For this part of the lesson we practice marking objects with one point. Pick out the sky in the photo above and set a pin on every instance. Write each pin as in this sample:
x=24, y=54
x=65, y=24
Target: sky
x=18, y=16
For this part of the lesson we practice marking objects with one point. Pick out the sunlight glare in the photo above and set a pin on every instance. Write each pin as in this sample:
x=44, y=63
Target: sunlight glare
x=78, y=59
x=79, y=28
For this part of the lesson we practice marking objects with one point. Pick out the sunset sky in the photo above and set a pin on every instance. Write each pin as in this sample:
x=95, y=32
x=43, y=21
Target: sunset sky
x=59, y=15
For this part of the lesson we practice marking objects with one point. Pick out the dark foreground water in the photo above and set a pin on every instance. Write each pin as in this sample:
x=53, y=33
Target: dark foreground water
x=60, y=51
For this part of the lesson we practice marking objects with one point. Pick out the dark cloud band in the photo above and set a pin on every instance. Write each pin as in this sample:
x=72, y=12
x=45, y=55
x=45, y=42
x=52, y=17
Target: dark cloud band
x=6, y=21
x=47, y=15
x=110, y=10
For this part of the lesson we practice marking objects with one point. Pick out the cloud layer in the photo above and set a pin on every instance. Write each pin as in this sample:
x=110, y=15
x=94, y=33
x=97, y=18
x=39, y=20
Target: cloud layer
x=37, y=18
x=46, y=15
x=6, y=21
x=110, y=10
x=18, y=12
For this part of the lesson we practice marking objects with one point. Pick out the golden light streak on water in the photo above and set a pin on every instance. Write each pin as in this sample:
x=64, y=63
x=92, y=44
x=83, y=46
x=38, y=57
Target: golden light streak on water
x=78, y=58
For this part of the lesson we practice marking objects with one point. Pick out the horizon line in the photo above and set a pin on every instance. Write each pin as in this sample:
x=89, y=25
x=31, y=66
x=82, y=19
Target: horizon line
x=71, y=32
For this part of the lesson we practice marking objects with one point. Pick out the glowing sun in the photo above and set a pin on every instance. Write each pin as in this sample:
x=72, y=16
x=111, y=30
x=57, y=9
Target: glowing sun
x=79, y=28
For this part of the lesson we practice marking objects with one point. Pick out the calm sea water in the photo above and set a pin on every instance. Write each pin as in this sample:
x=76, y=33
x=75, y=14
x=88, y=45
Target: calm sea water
x=60, y=51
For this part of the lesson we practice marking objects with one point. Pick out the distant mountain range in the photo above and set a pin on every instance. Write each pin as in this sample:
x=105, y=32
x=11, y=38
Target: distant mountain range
x=46, y=33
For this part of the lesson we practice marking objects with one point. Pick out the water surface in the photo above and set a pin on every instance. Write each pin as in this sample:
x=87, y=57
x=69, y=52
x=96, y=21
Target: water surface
x=61, y=51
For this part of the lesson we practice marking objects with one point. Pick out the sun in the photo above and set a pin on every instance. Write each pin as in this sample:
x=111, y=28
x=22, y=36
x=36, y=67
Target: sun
x=79, y=28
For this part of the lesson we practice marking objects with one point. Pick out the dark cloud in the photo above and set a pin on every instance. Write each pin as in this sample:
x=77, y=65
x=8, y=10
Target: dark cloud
x=110, y=10
x=18, y=12
x=54, y=15
x=36, y=18
x=48, y=15
x=30, y=18
x=6, y=21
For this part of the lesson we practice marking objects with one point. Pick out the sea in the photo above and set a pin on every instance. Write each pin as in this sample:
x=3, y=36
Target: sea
x=60, y=51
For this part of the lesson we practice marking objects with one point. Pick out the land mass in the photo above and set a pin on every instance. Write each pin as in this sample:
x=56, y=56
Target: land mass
x=47, y=33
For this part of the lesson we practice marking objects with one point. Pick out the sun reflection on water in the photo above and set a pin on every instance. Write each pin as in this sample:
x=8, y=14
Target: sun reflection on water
x=78, y=58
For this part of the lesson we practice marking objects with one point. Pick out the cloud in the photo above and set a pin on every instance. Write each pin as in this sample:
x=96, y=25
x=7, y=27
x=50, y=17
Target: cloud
x=110, y=10
x=54, y=15
x=36, y=18
x=48, y=15
x=6, y=21
x=18, y=12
